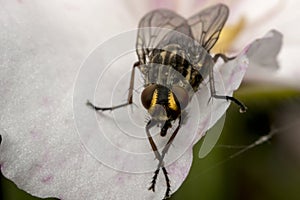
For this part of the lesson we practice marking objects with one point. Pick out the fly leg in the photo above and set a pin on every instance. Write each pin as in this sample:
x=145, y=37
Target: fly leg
x=156, y=153
x=160, y=159
x=163, y=153
x=223, y=56
x=130, y=93
x=243, y=108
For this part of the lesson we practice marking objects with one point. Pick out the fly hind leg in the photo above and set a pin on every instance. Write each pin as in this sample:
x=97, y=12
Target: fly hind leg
x=130, y=93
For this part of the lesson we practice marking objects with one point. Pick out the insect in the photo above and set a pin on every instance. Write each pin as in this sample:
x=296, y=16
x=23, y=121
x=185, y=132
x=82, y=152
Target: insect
x=168, y=44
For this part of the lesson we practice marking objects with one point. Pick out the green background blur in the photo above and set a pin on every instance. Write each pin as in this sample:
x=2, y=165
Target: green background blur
x=267, y=171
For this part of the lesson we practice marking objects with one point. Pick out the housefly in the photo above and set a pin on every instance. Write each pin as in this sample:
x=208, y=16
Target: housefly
x=174, y=59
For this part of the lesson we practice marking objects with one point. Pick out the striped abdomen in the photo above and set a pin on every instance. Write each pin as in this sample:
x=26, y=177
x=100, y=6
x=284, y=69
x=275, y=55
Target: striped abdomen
x=176, y=58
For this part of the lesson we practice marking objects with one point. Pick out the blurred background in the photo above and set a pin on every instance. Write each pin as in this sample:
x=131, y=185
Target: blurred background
x=266, y=171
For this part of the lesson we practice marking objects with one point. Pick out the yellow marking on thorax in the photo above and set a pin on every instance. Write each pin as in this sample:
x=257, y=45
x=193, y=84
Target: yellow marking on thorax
x=172, y=102
x=228, y=35
x=154, y=98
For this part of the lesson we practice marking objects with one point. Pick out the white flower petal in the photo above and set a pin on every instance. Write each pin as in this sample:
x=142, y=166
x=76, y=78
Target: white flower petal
x=262, y=54
x=227, y=77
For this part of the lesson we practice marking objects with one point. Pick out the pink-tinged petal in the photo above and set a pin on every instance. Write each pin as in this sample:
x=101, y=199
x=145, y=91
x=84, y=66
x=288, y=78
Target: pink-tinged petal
x=43, y=47
x=44, y=44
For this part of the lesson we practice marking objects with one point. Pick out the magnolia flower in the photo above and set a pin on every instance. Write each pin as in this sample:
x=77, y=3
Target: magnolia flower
x=43, y=45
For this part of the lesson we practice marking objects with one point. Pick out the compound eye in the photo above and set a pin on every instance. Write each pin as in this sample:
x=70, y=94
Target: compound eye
x=181, y=95
x=147, y=95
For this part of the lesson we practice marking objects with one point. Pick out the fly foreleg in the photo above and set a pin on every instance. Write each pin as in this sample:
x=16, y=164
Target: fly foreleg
x=160, y=158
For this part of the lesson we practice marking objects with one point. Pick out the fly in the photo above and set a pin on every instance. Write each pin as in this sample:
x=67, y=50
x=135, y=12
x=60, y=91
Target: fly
x=168, y=44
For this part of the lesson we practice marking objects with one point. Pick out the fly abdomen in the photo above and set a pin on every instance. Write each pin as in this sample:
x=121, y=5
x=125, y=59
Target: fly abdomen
x=176, y=59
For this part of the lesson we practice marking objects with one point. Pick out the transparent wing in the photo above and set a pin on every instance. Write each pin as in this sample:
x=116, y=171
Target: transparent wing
x=154, y=31
x=207, y=25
